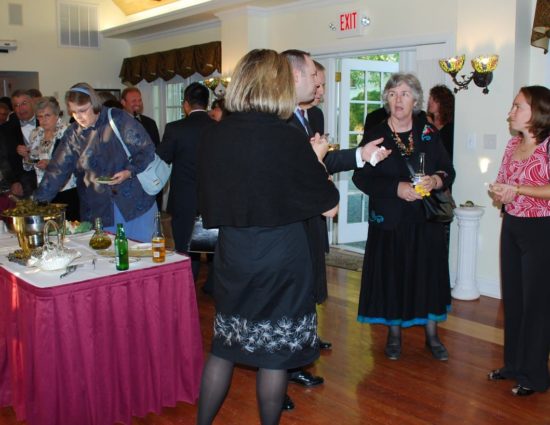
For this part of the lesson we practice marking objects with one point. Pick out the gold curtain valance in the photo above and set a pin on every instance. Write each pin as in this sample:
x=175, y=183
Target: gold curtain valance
x=202, y=58
x=541, y=25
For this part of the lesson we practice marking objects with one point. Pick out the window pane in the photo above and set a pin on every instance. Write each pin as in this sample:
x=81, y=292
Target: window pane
x=385, y=77
x=374, y=91
x=357, y=85
x=356, y=116
x=373, y=107
x=355, y=139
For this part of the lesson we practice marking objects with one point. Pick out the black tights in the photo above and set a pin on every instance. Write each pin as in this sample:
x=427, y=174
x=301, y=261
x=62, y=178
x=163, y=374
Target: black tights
x=216, y=380
x=432, y=339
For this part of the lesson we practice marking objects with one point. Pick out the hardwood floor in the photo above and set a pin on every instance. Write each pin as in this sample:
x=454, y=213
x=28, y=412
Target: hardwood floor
x=363, y=387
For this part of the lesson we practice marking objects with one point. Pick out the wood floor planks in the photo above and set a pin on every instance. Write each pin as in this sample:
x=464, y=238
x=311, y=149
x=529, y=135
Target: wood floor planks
x=364, y=387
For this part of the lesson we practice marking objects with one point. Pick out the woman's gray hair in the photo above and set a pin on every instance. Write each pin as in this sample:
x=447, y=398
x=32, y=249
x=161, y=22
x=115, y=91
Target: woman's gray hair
x=48, y=102
x=412, y=82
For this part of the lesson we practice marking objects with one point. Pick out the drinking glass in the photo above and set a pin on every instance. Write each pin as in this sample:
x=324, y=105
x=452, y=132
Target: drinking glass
x=419, y=168
x=331, y=145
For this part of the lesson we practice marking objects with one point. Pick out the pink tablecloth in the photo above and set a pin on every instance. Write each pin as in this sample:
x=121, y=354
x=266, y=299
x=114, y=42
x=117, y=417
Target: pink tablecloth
x=102, y=350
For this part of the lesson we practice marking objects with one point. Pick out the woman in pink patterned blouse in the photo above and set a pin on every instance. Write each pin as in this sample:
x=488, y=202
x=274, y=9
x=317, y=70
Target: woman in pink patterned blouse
x=523, y=187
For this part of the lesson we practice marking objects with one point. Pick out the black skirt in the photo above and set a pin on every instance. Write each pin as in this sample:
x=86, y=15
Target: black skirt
x=263, y=288
x=405, y=278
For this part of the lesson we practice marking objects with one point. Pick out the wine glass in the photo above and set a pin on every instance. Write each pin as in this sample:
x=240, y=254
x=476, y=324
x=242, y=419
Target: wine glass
x=331, y=145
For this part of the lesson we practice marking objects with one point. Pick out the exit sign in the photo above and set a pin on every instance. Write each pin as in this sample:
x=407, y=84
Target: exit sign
x=349, y=24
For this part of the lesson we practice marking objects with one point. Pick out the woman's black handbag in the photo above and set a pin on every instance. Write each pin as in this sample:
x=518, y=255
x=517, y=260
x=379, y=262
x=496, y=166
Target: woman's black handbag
x=439, y=206
x=202, y=240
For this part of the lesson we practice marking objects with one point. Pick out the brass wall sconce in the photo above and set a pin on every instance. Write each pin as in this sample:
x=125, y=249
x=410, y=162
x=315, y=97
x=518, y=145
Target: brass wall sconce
x=217, y=85
x=482, y=75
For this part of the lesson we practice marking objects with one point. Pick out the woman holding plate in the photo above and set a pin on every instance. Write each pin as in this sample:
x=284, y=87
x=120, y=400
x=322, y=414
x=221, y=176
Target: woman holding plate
x=105, y=177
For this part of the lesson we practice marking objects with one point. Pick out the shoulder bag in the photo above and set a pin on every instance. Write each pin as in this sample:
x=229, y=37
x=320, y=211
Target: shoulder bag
x=157, y=173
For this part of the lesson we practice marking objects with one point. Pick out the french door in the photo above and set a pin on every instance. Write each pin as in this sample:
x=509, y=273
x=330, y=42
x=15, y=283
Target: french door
x=361, y=86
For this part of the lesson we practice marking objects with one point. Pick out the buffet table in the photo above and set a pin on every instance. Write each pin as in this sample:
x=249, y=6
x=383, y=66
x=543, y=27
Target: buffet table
x=98, y=346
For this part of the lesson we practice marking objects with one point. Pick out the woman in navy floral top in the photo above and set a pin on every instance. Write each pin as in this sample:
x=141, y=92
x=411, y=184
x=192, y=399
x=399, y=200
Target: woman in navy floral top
x=91, y=150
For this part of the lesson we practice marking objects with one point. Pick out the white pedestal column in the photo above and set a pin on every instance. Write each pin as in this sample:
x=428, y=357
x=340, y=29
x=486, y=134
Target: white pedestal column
x=468, y=225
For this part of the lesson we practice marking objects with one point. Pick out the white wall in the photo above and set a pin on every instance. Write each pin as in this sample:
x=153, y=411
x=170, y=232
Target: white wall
x=472, y=27
x=59, y=67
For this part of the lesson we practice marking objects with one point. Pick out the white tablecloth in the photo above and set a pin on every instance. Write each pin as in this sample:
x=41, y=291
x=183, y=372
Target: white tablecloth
x=104, y=266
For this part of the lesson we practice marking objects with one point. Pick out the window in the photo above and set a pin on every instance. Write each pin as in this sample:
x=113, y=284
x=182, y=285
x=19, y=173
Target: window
x=78, y=25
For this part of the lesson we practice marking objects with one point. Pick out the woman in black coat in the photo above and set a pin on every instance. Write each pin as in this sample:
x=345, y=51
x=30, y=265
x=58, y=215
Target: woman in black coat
x=405, y=278
x=259, y=182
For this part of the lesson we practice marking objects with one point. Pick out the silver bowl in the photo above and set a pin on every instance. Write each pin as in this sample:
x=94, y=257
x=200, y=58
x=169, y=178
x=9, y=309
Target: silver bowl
x=30, y=228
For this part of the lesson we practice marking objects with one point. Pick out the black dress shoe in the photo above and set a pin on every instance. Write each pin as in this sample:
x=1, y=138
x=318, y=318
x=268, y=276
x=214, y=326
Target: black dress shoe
x=495, y=375
x=306, y=379
x=325, y=345
x=520, y=390
x=288, y=404
x=393, y=351
x=438, y=351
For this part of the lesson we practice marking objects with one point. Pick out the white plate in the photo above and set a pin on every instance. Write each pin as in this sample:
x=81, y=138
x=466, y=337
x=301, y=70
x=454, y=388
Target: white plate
x=142, y=246
x=130, y=260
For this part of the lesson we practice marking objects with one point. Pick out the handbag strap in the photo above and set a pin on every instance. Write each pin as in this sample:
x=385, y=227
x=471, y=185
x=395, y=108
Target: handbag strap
x=409, y=166
x=115, y=130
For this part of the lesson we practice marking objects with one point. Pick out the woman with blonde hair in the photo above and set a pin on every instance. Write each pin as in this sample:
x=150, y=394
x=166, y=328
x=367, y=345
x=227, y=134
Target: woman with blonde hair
x=259, y=181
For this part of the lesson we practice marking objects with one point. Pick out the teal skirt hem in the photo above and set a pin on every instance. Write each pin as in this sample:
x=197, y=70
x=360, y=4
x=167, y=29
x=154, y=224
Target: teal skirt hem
x=404, y=323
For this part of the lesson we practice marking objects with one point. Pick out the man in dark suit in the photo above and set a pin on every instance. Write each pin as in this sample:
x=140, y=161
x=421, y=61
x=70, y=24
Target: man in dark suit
x=307, y=85
x=16, y=132
x=133, y=104
x=179, y=147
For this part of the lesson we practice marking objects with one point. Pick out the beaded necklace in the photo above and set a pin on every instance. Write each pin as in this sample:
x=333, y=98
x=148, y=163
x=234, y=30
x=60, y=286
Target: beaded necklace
x=404, y=150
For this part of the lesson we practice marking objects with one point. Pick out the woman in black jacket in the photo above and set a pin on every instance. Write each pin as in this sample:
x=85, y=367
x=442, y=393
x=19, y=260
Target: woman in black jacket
x=405, y=278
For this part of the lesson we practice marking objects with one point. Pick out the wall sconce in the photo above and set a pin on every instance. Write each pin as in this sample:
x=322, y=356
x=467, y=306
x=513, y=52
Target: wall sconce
x=217, y=85
x=482, y=75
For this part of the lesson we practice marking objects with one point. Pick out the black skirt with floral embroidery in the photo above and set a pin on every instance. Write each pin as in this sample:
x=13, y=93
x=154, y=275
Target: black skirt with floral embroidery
x=263, y=287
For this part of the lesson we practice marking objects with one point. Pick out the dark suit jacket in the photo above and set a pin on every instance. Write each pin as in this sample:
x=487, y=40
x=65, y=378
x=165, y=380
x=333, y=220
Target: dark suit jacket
x=13, y=136
x=335, y=161
x=316, y=120
x=179, y=147
x=316, y=227
x=151, y=128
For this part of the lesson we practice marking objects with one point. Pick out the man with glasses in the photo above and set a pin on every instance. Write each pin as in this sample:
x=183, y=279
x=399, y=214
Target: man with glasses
x=16, y=134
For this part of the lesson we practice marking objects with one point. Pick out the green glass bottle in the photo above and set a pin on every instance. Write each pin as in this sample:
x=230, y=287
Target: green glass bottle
x=121, y=248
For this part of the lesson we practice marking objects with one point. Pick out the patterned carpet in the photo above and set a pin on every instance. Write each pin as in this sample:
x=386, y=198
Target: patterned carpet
x=344, y=259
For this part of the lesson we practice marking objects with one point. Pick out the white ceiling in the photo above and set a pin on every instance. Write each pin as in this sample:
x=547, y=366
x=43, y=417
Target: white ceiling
x=158, y=20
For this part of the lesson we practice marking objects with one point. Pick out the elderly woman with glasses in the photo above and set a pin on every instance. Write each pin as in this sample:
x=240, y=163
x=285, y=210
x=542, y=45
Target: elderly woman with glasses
x=42, y=142
x=105, y=176
x=405, y=278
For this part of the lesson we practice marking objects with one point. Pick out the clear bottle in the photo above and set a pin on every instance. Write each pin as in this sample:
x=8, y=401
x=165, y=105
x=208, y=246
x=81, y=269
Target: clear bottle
x=100, y=239
x=158, y=242
x=121, y=249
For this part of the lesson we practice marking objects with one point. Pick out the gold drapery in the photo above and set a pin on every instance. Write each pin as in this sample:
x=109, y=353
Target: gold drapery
x=202, y=58
x=541, y=25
